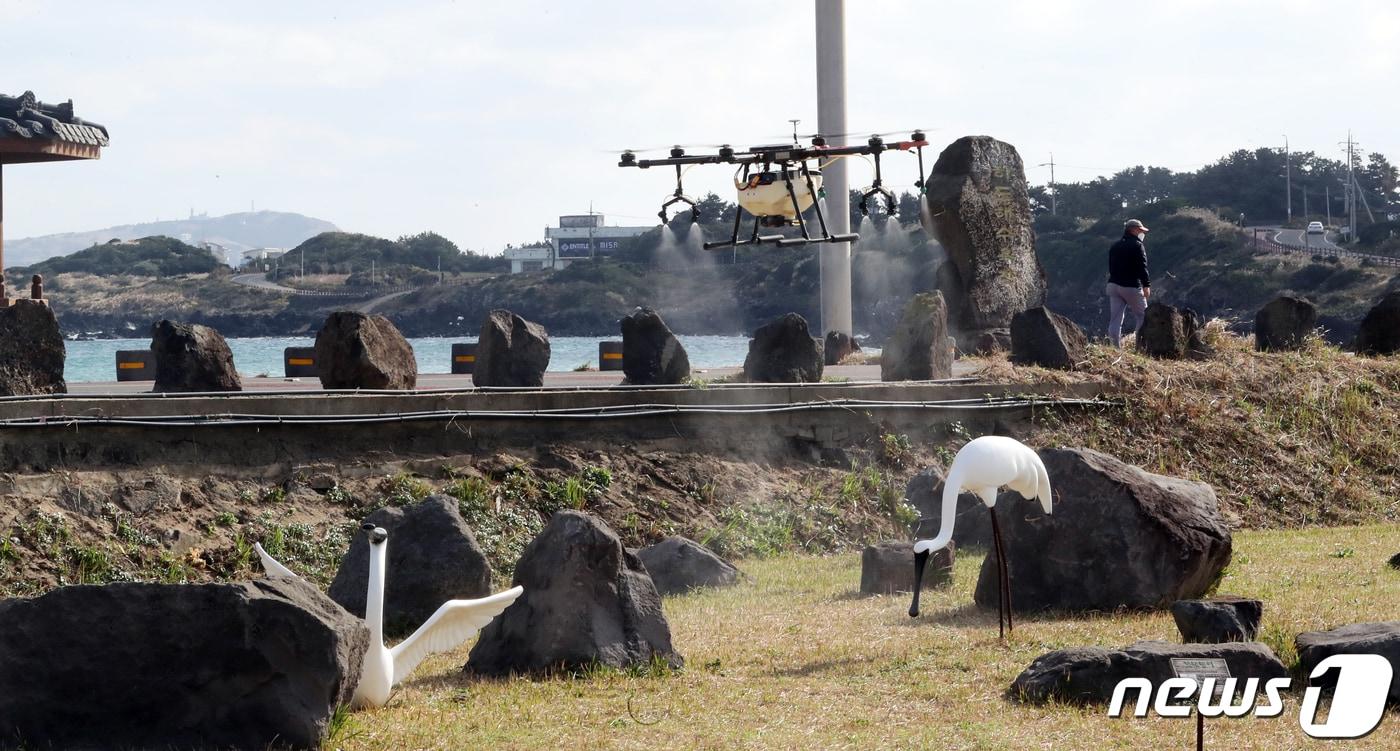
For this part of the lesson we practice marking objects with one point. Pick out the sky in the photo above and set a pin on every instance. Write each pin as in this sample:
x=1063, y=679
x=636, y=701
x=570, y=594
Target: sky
x=485, y=121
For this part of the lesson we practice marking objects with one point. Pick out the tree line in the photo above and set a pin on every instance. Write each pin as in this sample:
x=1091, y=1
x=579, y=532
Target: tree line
x=1249, y=182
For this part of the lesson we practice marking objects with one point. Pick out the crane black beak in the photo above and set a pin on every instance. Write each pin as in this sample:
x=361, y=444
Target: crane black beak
x=920, y=561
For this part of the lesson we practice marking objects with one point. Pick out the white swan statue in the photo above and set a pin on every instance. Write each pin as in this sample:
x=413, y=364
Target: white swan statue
x=981, y=467
x=385, y=667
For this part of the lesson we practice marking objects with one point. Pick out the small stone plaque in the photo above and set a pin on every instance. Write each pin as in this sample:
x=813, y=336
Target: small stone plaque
x=1199, y=668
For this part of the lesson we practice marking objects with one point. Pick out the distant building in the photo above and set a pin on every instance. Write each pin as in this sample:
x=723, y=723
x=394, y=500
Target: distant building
x=262, y=257
x=220, y=253
x=578, y=237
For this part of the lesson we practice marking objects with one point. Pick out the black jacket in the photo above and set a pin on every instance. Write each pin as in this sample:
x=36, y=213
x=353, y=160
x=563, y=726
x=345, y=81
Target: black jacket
x=1127, y=262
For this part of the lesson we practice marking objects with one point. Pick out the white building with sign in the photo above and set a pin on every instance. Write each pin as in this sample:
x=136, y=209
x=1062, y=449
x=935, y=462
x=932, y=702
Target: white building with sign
x=578, y=237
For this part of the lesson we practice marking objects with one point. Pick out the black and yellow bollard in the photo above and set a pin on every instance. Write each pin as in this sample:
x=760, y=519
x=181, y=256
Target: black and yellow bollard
x=300, y=362
x=610, y=355
x=136, y=365
x=463, y=358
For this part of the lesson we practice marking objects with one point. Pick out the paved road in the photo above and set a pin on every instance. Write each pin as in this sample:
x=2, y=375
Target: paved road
x=369, y=306
x=1296, y=238
x=260, y=281
x=445, y=381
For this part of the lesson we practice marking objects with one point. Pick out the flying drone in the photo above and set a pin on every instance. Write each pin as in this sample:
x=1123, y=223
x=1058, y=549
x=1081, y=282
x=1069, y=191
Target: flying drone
x=778, y=184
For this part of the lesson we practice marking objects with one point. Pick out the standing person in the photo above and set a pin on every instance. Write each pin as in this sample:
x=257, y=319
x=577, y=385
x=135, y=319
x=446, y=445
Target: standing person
x=1128, y=285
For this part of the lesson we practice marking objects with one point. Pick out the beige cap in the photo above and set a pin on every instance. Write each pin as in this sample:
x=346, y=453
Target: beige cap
x=1135, y=224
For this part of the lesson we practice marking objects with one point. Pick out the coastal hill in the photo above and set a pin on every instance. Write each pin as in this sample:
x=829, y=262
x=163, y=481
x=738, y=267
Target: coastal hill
x=236, y=232
x=1196, y=259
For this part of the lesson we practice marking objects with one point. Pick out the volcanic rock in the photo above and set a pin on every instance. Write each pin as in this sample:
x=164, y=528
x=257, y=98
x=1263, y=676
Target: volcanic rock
x=31, y=350
x=1087, y=675
x=359, y=351
x=980, y=212
x=1358, y=638
x=1042, y=337
x=1380, y=329
x=918, y=349
x=783, y=351
x=247, y=665
x=1284, y=324
x=192, y=358
x=1219, y=619
x=839, y=345
x=678, y=565
x=587, y=601
x=1170, y=333
x=511, y=351
x=651, y=354
x=989, y=341
x=888, y=567
x=432, y=558
x=1120, y=537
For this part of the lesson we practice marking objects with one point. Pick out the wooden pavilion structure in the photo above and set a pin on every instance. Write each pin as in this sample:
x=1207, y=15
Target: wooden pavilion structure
x=31, y=131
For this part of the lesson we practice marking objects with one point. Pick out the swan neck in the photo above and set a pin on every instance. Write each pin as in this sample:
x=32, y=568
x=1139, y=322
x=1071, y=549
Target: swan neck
x=374, y=599
x=952, y=486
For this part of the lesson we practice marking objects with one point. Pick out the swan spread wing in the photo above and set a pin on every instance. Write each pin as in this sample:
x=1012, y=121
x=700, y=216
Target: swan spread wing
x=453, y=623
x=270, y=564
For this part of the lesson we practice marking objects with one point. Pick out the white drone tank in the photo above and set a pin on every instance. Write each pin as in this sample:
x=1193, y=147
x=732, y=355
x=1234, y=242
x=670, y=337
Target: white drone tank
x=765, y=194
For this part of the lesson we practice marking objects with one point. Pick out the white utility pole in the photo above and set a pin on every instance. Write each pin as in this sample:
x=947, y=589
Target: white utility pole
x=1288, y=177
x=831, y=123
x=1351, y=194
x=1051, y=164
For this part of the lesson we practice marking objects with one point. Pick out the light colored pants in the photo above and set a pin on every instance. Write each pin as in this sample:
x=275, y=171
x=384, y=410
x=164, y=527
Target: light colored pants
x=1120, y=299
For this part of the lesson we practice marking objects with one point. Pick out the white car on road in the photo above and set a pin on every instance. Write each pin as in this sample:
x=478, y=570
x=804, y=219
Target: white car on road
x=1315, y=228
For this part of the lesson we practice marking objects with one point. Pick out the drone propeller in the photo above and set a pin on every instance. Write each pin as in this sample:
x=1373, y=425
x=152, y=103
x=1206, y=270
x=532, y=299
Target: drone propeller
x=650, y=149
x=854, y=134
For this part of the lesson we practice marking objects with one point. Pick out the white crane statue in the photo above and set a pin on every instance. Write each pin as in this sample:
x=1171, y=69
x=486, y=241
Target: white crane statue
x=981, y=467
x=384, y=667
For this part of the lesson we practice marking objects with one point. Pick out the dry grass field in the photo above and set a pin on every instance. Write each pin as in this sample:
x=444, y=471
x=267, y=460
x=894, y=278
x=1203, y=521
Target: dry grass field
x=795, y=658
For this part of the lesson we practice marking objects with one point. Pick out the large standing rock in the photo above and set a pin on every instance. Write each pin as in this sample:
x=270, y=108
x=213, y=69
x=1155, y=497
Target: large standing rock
x=918, y=349
x=244, y=665
x=432, y=558
x=359, y=351
x=651, y=354
x=191, y=358
x=31, y=350
x=1087, y=675
x=783, y=351
x=1379, y=333
x=1219, y=619
x=1358, y=638
x=980, y=213
x=1170, y=333
x=587, y=602
x=1284, y=324
x=1120, y=537
x=678, y=565
x=838, y=346
x=512, y=351
x=972, y=525
x=888, y=567
x=1042, y=337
